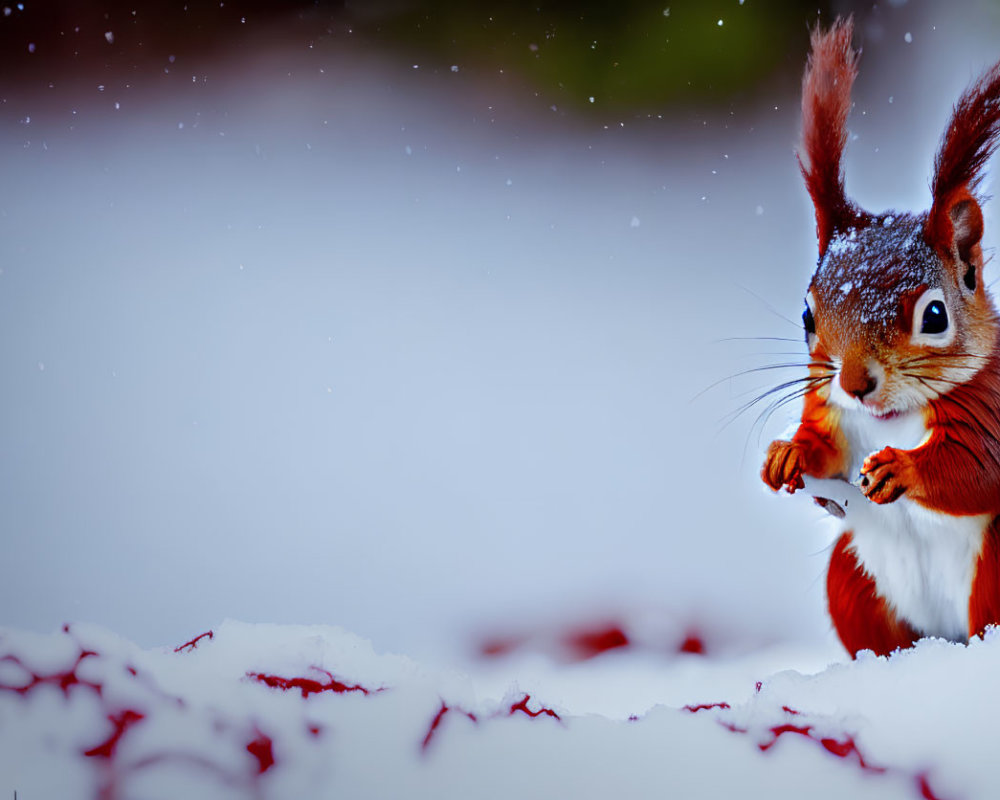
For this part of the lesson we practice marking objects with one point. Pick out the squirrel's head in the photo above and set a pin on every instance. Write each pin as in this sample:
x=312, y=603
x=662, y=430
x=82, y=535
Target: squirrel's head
x=897, y=312
x=897, y=321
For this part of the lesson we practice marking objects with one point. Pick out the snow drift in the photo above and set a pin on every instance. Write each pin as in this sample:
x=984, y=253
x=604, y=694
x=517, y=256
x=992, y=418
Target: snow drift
x=288, y=711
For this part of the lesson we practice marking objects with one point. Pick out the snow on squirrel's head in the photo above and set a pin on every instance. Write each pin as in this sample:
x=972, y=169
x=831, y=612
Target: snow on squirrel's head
x=897, y=312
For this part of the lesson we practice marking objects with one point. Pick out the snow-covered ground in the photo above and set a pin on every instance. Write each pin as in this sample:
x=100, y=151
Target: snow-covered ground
x=291, y=711
x=305, y=335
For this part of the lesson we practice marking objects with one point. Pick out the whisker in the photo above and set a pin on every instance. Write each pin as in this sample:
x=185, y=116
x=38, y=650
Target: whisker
x=765, y=416
x=941, y=357
x=810, y=382
x=768, y=306
x=752, y=370
x=964, y=406
x=958, y=442
x=766, y=394
x=924, y=378
x=755, y=389
x=786, y=353
x=986, y=263
x=970, y=412
x=758, y=339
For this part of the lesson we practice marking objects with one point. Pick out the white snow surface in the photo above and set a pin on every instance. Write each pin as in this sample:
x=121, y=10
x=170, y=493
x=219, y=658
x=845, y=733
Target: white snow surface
x=200, y=724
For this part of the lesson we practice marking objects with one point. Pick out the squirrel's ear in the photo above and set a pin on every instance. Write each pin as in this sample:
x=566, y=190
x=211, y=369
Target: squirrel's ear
x=955, y=224
x=966, y=224
x=826, y=101
x=955, y=220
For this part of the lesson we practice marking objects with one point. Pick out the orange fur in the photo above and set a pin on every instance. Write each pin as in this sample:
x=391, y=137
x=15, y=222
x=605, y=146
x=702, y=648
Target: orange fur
x=816, y=449
x=861, y=617
x=826, y=101
x=958, y=470
x=984, y=602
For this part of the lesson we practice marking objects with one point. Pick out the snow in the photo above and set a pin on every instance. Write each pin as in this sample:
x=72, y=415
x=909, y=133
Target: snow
x=876, y=250
x=458, y=414
x=284, y=711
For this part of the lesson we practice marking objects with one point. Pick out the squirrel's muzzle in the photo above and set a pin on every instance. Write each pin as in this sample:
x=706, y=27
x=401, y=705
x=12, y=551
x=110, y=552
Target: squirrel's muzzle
x=855, y=379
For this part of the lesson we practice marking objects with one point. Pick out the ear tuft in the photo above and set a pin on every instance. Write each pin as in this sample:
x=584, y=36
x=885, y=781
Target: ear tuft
x=955, y=220
x=826, y=101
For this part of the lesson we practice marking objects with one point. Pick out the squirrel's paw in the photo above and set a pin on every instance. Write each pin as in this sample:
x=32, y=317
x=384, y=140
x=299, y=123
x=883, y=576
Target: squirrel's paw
x=884, y=475
x=783, y=466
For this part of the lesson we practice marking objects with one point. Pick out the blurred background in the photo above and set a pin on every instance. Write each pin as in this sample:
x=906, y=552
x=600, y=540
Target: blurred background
x=425, y=319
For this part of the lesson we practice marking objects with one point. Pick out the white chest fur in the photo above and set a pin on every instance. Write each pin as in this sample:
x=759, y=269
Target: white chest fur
x=922, y=561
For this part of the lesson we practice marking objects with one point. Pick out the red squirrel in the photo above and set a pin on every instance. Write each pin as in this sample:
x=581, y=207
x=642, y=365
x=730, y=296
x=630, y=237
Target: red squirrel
x=901, y=411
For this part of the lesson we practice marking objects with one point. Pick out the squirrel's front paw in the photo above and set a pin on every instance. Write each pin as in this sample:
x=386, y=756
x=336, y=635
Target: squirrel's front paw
x=783, y=466
x=884, y=475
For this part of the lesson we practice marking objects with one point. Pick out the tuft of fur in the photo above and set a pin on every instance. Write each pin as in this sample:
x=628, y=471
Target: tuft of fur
x=826, y=102
x=972, y=136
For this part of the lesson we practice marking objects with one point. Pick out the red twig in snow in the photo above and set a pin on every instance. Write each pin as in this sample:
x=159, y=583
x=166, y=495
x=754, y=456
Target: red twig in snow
x=522, y=705
x=308, y=686
x=445, y=708
x=194, y=642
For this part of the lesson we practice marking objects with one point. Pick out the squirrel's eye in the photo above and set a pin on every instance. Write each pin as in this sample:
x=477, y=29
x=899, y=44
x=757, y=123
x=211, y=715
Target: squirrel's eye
x=935, y=319
x=931, y=326
x=808, y=321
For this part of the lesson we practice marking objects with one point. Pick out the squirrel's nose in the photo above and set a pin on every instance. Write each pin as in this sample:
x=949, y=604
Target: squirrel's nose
x=856, y=380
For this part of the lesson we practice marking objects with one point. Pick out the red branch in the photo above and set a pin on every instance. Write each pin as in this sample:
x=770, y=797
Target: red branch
x=522, y=705
x=308, y=686
x=842, y=748
x=194, y=642
x=779, y=730
x=434, y=725
x=437, y=721
x=845, y=748
x=706, y=707
x=925, y=789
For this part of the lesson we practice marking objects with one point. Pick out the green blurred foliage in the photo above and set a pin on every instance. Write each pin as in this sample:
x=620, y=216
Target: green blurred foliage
x=630, y=55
